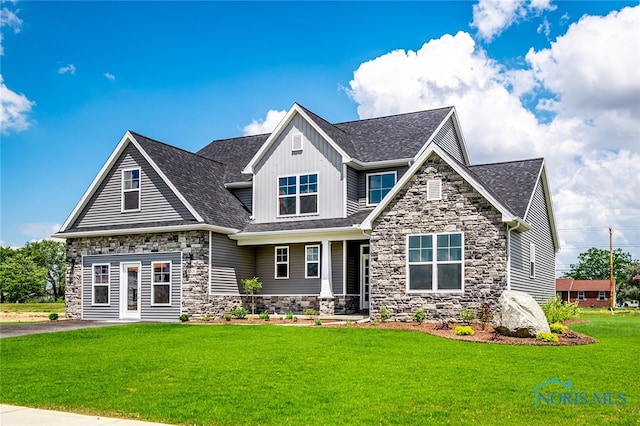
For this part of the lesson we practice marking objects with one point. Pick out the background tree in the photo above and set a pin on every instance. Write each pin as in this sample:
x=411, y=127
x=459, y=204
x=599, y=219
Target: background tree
x=50, y=255
x=594, y=265
x=629, y=287
x=251, y=286
x=21, y=279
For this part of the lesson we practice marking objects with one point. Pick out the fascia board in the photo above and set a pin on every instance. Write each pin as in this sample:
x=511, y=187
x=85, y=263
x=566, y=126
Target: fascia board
x=298, y=236
x=361, y=165
x=97, y=180
x=146, y=230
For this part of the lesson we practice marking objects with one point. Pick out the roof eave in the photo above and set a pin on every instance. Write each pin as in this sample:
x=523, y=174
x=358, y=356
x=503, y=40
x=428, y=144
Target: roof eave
x=152, y=229
x=299, y=236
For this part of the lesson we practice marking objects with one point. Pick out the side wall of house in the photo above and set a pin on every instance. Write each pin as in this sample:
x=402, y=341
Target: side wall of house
x=230, y=264
x=461, y=209
x=542, y=285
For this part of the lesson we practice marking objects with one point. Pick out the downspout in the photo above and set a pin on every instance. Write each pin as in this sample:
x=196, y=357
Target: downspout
x=509, y=229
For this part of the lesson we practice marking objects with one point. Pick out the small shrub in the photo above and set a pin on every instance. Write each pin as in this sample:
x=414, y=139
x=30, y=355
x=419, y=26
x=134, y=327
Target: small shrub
x=240, y=312
x=53, y=316
x=557, y=328
x=309, y=313
x=467, y=315
x=547, y=337
x=384, y=314
x=464, y=330
x=289, y=315
x=206, y=318
x=374, y=323
x=318, y=321
x=485, y=315
x=295, y=318
x=419, y=316
x=265, y=316
x=349, y=321
x=227, y=316
x=184, y=317
x=558, y=311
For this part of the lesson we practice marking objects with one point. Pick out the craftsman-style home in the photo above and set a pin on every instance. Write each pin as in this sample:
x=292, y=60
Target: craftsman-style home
x=349, y=217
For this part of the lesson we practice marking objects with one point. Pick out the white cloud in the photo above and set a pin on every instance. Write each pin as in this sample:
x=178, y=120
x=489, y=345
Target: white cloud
x=39, y=231
x=109, y=76
x=590, y=141
x=492, y=17
x=69, y=69
x=257, y=127
x=14, y=108
x=8, y=19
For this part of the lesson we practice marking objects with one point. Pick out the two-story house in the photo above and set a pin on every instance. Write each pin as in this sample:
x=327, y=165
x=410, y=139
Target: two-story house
x=357, y=216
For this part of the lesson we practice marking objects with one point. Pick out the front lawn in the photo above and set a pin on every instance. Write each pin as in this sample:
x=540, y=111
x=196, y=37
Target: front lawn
x=57, y=307
x=229, y=375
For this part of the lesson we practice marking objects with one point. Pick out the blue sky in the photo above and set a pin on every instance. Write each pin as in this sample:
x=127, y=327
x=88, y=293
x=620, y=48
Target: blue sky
x=529, y=79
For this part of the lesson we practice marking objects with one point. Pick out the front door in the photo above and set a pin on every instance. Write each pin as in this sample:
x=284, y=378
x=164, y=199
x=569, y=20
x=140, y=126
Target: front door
x=130, y=291
x=364, y=277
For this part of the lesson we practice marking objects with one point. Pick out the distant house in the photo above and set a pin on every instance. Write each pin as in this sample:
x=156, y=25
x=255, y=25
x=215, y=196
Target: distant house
x=588, y=293
x=347, y=217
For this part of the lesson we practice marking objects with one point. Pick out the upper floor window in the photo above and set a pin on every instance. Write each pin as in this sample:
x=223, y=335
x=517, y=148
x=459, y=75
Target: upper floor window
x=131, y=189
x=378, y=185
x=298, y=195
x=161, y=283
x=101, y=280
x=435, y=262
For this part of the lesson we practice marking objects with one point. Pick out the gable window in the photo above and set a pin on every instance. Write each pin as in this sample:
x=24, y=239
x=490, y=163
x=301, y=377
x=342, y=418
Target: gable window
x=100, y=284
x=312, y=262
x=379, y=185
x=602, y=295
x=282, y=262
x=532, y=260
x=161, y=283
x=298, y=195
x=434, y=262
x=581, y=295
x=130, y=190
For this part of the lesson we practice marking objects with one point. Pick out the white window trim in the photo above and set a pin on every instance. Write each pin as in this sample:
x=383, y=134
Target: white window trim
x=276, y=263
x=154, y=283
x=603, y=294
x=435, y=263
x=582, y=296
x=532, y=260
x=94, y=284
x=430, y=188
x=297, y=195
x=307, y=262
x=122, y=190
x=368, y=175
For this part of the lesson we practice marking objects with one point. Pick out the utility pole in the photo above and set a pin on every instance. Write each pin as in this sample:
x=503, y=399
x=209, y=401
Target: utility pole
x=612, y=283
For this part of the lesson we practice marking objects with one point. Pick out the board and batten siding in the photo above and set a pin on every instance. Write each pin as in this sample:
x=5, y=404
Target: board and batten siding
x=296, y=284
x=542, y=286
x=230, y=264
x=147, y=311
x=158, y=202
x=316, y=156
x=447, y=139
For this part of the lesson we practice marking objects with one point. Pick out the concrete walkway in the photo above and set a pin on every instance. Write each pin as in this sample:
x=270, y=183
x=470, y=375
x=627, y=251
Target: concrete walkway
x=11, y=415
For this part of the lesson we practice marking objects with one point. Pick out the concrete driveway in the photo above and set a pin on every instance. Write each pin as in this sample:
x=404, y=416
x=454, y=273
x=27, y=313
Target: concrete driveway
x=11, y=330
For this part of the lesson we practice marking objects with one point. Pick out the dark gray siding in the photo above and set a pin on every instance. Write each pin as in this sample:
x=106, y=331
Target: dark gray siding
x=542, y=287
x=362, y=181
x=447, y=140
x=230, y=264
x=147, y=311
x=157, y=201
x=352, y=191
x=337, y=261
x=245, y=195
x=353, y=266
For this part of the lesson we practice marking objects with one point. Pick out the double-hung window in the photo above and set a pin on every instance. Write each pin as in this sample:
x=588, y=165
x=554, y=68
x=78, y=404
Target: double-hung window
x=298, y=195
x=312, y=262
x=435, y=262
x=130, y=190
x=100, y=284
x=582, y=296
x=282, y=262
x=602, y=295
x=378, y=185
x=161, y=283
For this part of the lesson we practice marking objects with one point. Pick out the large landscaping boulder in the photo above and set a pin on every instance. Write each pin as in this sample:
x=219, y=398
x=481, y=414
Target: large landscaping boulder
x=519, y=315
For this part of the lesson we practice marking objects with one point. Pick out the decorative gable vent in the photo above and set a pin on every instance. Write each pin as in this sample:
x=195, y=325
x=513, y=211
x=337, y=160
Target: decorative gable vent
x=296, y=142
x=434, y=190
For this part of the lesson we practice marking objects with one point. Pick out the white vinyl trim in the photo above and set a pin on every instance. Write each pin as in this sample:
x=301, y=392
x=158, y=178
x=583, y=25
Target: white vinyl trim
x=124, y=190
x=94, y=284
x=368, y=177
x=154, y=283
x=435, y=262
x=308, y=262
x=277, y=262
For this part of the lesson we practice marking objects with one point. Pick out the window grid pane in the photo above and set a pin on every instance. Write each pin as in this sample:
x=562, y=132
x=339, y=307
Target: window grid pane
x=448, y=263
x=379, y=186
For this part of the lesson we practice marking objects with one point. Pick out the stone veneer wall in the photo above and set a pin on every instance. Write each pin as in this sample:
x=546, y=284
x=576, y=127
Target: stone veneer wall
x=195, y=274
x=462, y=209
x=298, y=304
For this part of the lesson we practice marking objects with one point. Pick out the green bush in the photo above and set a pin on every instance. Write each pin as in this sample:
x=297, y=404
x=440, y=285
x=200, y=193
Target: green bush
x=318, y=321
x=227, y=316
x=464, y=330
x=384, y=314
x=558, y=311
x=467, y=315
x=240, y=312
x=547, y=337
x=265, y=316
x=374, y=323
x=289, y=315
x=53, y=316
x=310, y=313
x=557, y=328
x=419, y=316
x=184, y=317
x=206, y=318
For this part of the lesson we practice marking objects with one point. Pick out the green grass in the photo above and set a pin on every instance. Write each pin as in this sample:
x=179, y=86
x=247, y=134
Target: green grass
x=274, y=375
x=33, y=307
